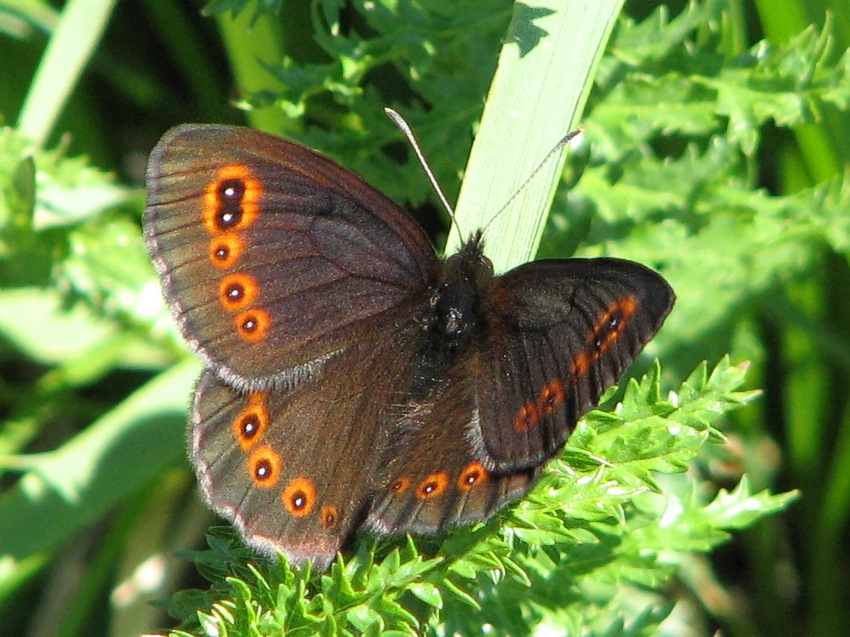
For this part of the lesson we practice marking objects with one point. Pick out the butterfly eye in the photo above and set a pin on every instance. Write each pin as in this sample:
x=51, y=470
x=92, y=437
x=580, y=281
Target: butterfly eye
x=454, y=321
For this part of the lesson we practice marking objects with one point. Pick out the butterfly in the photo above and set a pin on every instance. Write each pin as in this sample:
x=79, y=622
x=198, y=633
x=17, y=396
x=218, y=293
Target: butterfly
x=352, y=379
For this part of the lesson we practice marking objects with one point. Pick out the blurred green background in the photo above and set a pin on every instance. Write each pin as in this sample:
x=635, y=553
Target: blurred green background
x=718, y=137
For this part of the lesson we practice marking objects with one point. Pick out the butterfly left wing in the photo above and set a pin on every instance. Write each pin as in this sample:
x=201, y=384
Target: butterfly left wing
x=567, y=330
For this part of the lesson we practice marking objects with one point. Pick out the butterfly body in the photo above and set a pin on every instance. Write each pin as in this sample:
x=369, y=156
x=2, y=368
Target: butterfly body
x=354, y=380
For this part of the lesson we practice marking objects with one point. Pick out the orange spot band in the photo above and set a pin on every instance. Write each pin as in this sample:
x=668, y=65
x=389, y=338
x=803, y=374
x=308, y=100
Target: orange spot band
x=605, y=333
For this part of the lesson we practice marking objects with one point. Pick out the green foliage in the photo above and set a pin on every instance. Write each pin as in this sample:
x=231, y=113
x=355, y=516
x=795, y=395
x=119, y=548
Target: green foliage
x=595, y=530
x=717, y=158
x=449, y=49
x=683, y=179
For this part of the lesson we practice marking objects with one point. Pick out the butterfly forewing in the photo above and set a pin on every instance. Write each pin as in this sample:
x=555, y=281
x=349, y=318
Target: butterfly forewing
x=560, y=333
x=272, y=256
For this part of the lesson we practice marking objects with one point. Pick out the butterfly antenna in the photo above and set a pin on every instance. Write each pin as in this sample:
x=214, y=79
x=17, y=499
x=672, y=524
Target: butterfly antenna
x=566, y=139
x=398, y=120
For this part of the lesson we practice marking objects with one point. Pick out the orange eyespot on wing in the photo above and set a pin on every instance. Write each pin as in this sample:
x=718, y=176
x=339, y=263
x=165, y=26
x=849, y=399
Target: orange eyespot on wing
x=252, y=422
x=473, y=475
x=432, y=485
x=237, y=291
x=225, y=250
x=299, y=497
x=264, y=467
x=252, y=325
x=527, y=417
x=330, y=516
x=231, y=200
x=401, y=485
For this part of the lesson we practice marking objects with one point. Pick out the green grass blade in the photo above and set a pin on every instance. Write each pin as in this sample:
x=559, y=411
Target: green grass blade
x=247, y=56
x=19, y=17
x=79, y=30
x=544, y=76
x=71, y=487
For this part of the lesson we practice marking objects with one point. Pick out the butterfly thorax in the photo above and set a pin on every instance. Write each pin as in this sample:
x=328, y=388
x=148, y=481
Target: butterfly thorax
x=456, y=312
x=454, y=319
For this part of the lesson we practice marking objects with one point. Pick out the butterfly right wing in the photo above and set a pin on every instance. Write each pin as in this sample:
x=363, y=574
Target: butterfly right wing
x=554, y=335
x=559, y=334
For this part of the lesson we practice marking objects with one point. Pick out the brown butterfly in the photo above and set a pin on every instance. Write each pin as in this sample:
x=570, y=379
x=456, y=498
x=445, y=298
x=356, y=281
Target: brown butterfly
x=354, y=380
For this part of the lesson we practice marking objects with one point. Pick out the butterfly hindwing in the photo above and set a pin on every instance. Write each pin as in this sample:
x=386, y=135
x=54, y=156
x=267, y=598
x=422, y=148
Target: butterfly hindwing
x=430, y=477
x=295, y=468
